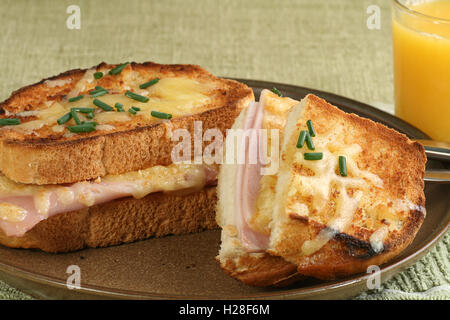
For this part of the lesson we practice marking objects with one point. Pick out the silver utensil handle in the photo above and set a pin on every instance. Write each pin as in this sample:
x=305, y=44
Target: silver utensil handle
x=437, y=176
x=436, y=149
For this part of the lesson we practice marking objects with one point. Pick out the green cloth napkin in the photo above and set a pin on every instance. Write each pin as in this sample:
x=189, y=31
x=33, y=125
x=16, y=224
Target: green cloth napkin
x=320, y=44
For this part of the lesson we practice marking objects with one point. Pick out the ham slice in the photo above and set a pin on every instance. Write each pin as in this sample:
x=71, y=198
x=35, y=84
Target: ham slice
x=54, y=200
x=248, y=176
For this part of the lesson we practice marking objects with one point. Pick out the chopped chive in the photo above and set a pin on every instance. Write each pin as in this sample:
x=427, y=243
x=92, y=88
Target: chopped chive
x=161, y=115
x=75, y=116
x=102, y=105
x=136, y=96
x=343, y=166
x=311, y=130
x=93, y=123
x=83, y=110
x=149, y=83
x=277, y=92
x=118, y=69
x=301, y=138
x=90, y=115
x=313, y=156
x=136, y=108
x=309, y=142
x=119, y=107
x=98, y=75
x=99, y=93
x=9, y=122
x=64, y=118
x=132, y=111
x=76, y=98
x=86, y=127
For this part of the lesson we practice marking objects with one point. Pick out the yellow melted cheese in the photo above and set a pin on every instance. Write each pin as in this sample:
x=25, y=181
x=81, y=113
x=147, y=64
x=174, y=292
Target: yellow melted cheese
x=143, y=182
x=11, y=213
x=315, y=191
x=175, y=96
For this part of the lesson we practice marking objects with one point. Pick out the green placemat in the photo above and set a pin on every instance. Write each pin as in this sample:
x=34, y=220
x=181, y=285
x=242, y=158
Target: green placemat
x=320, y=44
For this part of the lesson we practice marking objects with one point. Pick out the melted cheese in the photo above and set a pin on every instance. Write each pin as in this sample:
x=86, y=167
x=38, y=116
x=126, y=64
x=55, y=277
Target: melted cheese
x=46, y=117
x=176, y=96
x=317, y=192
x=377, y=238
x=12, y=213
x=81, y=85
x=137, y=183
x=57, y=82
x=169, y=178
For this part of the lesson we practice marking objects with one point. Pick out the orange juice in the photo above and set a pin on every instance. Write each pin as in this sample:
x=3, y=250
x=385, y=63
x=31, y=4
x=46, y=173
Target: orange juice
x=421, y=43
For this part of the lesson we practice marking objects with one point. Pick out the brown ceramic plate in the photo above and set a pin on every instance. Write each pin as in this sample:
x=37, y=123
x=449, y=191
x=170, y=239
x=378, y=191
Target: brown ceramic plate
x=185, y=267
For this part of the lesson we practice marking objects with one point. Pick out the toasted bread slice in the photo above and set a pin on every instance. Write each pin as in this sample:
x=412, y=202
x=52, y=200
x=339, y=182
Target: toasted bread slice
x=122, y=221
x=325, y=225
x=40, y=151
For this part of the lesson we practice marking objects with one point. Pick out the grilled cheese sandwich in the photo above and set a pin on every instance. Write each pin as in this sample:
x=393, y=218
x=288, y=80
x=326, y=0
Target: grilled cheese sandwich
x=75, y=143
x=310, y=219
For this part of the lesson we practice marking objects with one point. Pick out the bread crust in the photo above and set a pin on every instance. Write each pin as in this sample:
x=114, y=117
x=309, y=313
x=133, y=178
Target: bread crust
x=54, y=159
x=121, y=221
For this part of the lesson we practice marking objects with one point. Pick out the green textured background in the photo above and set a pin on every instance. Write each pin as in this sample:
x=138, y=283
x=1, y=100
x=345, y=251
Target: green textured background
x=320, y=44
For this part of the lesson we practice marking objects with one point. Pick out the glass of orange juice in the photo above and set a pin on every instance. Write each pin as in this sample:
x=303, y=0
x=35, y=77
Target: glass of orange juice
x=421, y=45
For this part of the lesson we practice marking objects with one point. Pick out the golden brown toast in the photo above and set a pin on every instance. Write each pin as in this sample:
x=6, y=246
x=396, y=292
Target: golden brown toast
x=325, y=225
x=121, y=221
x=39, y=151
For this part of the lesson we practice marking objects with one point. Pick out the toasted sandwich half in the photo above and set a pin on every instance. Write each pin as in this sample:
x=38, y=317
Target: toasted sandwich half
x=348, y=194
x=86, y=156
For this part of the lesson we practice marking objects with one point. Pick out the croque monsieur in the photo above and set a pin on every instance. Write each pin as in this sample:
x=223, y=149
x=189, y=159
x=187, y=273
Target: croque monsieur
x=348, y=194
x=85, y=156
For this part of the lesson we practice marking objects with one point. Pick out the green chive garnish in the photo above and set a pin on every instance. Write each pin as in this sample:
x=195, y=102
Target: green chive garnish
x=301, y=138
x=102, y=105
x=93, y=123
x=277, y=92
x=132, y=111
x=311, y=130
x=83, y=110
x=98, y=75
x=161, y=115
x=86, y=127
x=313, y=156
x=118, y=69
x=9, y=122
x=64, y=118
x=343, y=166
x=136, y=108
x=119, y=107
x=309, y=142
x=149, y=83
x=75, y=116
x=76, y=98
x=136, y=96
x=98, y=94
x=90, y=115
x=99, y=91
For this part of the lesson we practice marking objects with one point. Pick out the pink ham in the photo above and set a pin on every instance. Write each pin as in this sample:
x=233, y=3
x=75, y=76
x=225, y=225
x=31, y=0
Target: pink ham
x=101, y=193
x=248, y=176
